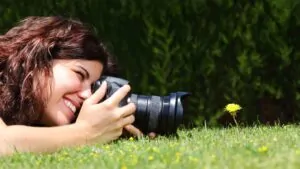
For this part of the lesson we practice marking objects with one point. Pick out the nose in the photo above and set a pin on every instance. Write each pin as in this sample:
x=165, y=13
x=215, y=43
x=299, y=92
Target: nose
x=85, y=92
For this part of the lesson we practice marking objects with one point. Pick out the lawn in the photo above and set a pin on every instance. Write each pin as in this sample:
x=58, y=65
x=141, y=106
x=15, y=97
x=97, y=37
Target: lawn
x=250, y=147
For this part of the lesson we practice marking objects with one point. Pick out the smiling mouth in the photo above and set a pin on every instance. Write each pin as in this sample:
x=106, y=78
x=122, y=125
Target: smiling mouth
x=71, y=106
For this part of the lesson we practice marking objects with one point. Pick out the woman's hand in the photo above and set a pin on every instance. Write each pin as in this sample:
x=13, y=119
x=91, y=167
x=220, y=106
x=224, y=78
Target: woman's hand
x=136, y=132
x=104, y=122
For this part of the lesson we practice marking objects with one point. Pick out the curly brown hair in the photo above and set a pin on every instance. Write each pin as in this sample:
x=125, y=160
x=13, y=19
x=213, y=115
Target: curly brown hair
x=27, y=50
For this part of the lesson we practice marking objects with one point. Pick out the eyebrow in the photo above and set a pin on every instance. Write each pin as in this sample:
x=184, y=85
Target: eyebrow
x=86, y=72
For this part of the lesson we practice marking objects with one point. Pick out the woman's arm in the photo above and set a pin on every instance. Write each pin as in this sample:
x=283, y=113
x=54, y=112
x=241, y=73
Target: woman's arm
x=18, y=138
x=96, y=123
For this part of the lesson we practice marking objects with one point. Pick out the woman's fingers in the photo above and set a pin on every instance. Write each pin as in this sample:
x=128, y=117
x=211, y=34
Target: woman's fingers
x=127, y=110
x=126, y=121
x=133, y=130
x=99, y=94
x=117, y=96
x=152, y=135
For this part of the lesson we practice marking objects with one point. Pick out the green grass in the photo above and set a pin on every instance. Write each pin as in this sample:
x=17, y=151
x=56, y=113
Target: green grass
x=253, y=147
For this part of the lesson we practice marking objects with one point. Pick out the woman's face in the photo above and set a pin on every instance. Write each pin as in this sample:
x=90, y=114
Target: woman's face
x=71, y=85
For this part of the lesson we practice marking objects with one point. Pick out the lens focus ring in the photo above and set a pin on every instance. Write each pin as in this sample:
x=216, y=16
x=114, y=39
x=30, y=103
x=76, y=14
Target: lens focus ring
x=154, y=109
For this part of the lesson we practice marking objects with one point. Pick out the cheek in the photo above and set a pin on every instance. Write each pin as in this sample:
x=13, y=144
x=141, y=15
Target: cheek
x=64, y=83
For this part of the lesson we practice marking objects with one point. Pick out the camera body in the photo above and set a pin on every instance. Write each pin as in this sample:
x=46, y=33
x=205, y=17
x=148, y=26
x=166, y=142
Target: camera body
x=159, y=114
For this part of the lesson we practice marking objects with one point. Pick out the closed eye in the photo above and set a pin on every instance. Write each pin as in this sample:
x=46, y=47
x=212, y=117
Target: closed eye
x=80, y=74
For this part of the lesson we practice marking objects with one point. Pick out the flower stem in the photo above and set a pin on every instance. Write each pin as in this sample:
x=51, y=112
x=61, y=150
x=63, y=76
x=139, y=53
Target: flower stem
x=236, y=123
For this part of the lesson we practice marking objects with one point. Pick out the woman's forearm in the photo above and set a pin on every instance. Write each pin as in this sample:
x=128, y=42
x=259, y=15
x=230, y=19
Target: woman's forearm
x=19, y=138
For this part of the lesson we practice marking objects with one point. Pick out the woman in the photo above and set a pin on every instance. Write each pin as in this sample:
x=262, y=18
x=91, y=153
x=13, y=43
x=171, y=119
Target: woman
x=47, y=67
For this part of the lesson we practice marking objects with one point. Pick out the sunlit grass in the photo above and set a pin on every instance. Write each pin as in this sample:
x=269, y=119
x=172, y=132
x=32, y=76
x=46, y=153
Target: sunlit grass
x=253, y=147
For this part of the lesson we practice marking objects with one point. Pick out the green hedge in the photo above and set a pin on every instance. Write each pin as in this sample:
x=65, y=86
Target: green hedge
x=221, y=51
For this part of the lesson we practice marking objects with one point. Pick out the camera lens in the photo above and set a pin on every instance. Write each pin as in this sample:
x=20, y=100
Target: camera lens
x=159, y=114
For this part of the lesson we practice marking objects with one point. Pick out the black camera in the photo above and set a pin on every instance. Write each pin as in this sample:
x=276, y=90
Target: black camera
x=159, y=114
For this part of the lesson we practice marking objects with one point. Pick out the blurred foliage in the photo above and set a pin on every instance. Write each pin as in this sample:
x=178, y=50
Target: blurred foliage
x=221, y=51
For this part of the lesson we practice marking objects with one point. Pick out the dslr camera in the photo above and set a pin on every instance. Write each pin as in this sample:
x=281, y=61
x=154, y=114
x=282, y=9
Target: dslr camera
x=159, y=114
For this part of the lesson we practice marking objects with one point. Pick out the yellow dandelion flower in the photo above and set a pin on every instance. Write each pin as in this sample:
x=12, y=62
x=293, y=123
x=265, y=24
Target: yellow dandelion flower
x=193, y=159
x=39, y=162
x=262, y=149
x=155, y=149
x=65, y=153
x=134, y=160
x=178, y=155
x=150, y=158
x=232, y=108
